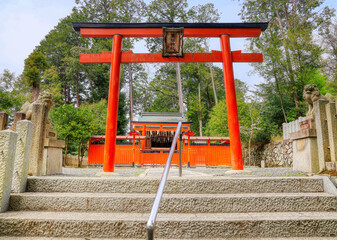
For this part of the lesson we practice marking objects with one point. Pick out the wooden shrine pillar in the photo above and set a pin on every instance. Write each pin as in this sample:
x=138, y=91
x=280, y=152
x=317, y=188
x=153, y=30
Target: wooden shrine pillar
x=111, y=121
x=232, y=110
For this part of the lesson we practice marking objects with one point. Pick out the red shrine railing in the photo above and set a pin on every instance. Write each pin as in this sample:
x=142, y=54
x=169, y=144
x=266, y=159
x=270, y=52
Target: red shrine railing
x=193, y=154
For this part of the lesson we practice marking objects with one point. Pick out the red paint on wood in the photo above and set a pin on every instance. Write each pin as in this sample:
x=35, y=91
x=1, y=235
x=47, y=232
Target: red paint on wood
x=158, y=32
x=111, y=122
x=195, y=155
x=130, y=57
x=232, y=110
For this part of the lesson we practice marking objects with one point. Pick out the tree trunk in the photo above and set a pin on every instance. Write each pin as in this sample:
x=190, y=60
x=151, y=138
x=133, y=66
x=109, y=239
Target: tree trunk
x=289, y=65
x=213, y=84
x=249, y=142
x=199, y=99
x=130, y=95
x=211, y=72
x=65, y=153
x=77, y=92
x=209, y=101
x=83, y=149
x=78, y=155
x=35, y=92
x=180, y=92
x=65, y=93
x=293, y=82
x=69, y=99
x=281, y=99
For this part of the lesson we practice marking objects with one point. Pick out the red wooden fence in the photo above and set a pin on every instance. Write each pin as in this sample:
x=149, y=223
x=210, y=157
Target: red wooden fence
x=218, y=155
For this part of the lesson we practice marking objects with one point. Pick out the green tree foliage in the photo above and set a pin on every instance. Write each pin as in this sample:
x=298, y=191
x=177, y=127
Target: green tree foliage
x=57, y=47
x=35, y=65
x=218, y=121
x=51, y=83
x=329, y=37
x=12, y=92
x=165, y=11
x=217, y=124
x=291, y=55
x=99, y=110
x=78, y=83
x=76, y=73
x=75, y=126
x=64, y=121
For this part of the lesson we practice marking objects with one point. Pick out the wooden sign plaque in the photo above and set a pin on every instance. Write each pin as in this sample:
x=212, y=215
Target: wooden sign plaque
x=173, y=42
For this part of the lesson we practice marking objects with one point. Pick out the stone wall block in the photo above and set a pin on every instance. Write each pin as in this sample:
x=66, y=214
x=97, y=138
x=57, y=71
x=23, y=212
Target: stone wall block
x=36, y=155
x=7, y=154
x=24, y=130
x=322, y=133
x=3, y=120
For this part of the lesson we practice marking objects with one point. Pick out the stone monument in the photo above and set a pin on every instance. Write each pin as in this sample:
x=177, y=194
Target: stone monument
x=313, y=143
x=46, y=152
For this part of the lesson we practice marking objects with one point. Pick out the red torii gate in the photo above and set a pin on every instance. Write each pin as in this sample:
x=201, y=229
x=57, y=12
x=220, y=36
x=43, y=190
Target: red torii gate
x=118, y=31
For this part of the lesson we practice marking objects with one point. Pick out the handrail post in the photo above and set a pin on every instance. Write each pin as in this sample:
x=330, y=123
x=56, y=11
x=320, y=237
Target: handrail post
x=150, y=234
x=180, y=153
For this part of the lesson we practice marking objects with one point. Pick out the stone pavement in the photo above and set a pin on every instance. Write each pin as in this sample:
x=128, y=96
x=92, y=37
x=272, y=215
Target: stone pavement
x=156, y=172
x=187, y=172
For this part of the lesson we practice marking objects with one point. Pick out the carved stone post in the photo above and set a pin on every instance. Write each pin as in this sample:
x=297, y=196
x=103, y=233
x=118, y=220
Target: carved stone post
x=18, y=116
x=24, y=142
x=332, y=131
x=36, y=154
x=52, y=154
x=322, y=133
x=305, y=152
x=7, y=153
x=3, y=120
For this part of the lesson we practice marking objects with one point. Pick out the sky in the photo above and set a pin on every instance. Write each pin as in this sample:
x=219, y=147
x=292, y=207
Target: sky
x=24, y=23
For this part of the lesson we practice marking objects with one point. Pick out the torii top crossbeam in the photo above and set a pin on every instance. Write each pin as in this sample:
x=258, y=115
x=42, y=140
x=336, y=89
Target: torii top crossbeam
x=140, y=30
x=118, y=31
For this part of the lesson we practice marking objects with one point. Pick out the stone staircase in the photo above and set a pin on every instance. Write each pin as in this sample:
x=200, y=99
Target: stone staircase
x=191, y=208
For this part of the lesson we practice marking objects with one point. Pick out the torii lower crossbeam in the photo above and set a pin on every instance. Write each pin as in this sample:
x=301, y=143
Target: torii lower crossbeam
x=130, y=57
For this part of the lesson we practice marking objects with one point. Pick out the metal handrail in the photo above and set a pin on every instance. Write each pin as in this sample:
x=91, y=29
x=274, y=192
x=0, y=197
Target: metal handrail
x=151, y=222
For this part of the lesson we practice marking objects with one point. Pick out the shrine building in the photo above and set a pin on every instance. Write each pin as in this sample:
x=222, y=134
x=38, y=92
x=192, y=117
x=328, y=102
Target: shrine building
x=150, y=143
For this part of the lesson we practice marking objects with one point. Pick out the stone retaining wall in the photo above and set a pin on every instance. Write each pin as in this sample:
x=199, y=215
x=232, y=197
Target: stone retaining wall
x=72, y=161
x=278, y=154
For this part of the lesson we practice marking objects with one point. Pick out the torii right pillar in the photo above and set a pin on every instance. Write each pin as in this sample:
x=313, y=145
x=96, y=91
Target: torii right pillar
x=232, y=109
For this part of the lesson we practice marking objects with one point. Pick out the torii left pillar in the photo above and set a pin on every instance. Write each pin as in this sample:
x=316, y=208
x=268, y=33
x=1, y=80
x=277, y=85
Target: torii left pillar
x=112, y=115
x=232, y=109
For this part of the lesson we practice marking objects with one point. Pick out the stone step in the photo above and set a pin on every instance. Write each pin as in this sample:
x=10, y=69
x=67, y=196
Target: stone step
x=170, y=226
x=47, y=238
x=173, y=203
x=175, y=185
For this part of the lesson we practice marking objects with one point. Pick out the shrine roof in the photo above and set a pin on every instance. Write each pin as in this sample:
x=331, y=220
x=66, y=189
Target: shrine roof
x=161, y=117
x=78, y=25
